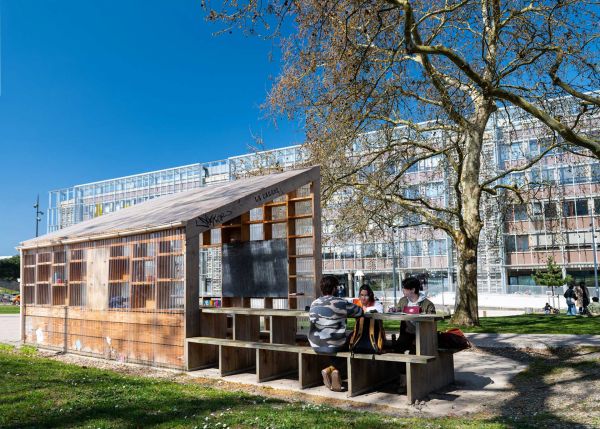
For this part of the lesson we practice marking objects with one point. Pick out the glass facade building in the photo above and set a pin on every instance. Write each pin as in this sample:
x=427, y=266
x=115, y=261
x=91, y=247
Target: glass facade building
x=558, y=219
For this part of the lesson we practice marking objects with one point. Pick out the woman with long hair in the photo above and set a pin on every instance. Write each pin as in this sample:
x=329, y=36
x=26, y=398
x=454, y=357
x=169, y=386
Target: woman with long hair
x=367, y=300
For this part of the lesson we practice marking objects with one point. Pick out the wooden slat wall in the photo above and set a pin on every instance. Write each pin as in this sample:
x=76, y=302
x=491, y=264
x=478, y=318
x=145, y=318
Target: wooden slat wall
x=153, y=338
x=81, y=321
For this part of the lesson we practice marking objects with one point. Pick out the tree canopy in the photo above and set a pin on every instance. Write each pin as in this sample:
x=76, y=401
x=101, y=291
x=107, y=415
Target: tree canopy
x=387, y=86
x=10, y=268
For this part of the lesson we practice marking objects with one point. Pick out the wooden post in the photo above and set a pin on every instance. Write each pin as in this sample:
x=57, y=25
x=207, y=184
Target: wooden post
x=315, y=189
x=22, y=303
x=191, y=322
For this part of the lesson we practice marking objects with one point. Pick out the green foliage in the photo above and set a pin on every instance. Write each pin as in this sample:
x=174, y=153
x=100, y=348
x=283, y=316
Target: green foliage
x=552, y=275
x=10, y=268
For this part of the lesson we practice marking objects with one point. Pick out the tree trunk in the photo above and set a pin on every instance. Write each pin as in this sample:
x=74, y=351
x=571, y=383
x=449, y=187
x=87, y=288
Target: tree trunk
x=466, y=306
x=467, y=237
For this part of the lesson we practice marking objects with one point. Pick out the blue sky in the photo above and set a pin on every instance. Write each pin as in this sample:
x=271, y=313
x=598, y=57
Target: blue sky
x=92, y=90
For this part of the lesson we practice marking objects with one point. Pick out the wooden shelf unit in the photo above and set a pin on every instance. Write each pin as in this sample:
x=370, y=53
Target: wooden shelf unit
x=290, y=217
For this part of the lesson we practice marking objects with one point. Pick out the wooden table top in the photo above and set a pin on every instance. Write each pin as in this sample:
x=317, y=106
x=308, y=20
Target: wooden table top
x=302, y=313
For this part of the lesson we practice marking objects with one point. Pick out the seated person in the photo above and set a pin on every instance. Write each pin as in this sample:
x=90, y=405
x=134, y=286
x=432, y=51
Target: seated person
x=547, y=309
x=368, y=335
x=413, y=297
x=367, y=300
x=593, y=309
x=327, y=334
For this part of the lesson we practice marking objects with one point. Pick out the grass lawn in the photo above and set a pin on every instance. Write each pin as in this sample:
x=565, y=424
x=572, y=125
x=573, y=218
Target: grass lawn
x=40, y=392
x=522, y=324
x=10, y=309
x=535, y=324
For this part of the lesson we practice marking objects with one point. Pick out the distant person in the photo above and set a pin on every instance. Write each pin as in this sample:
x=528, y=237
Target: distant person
x=413, y=301
x=571, y=297
x=327, y=334
x=578, y=297
x=547, y=309
x=341, y=291
x=593, y=309
x=584, y=301
x=367, y=300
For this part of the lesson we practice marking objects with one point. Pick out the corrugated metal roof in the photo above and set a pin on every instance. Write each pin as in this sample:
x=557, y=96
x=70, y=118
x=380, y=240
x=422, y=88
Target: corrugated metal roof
x=177, y=209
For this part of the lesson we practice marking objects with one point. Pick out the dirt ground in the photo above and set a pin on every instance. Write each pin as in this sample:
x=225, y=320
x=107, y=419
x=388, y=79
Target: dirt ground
x=559, y=388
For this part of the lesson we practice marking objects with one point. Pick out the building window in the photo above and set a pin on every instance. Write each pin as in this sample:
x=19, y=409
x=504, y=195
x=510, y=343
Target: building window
x=411, y=219
x=566, y=175
x=536, y=209
x=369, y=251
x=516, y=151
x=413, y=248
x=569, y=208
x=596, y=205
x=519, y=212
x=504, y=153
x=414, y=168
x=580, y=174
x=550, y=210
x=534, y=148
x=548, y=175
x=575, y=207
x=433, y=190
x=437, y=247
x=595, y=172
x=411, y=191
x=509, y=243
x=522, y=243
x=517, y=179
x=581, y=207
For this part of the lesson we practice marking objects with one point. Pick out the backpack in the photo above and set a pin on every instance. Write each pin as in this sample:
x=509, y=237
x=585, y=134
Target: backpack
x=368, y=336
x=453, y=339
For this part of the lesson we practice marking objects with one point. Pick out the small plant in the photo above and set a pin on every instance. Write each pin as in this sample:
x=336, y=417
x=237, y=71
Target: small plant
x=551, y=276
x=28, y=350
x=6, y=348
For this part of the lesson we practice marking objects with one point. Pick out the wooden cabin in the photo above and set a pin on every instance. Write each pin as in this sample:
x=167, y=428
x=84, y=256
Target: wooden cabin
x=129, y=285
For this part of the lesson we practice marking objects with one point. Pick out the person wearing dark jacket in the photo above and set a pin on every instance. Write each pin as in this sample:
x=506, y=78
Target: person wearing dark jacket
x=413, y=297
x=327, y=334
x=583, y=298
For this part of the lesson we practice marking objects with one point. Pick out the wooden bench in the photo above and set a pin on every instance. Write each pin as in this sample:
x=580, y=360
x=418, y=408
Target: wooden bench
x=272, y=361
x=280, y=356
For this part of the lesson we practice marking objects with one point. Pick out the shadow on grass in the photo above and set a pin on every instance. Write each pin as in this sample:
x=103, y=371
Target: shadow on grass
x=550, y=378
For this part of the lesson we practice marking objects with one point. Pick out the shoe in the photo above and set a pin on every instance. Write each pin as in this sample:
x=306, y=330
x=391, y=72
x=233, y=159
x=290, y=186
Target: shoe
x=336, y=381
x=326, y=373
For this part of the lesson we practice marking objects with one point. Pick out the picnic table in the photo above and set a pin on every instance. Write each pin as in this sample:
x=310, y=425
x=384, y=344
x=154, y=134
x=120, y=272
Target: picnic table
x=276, y=352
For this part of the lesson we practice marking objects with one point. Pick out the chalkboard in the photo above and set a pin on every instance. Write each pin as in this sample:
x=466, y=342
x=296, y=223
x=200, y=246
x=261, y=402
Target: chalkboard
x=255, y=269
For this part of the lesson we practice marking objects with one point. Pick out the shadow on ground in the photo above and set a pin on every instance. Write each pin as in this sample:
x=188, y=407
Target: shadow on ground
x=557, y=390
